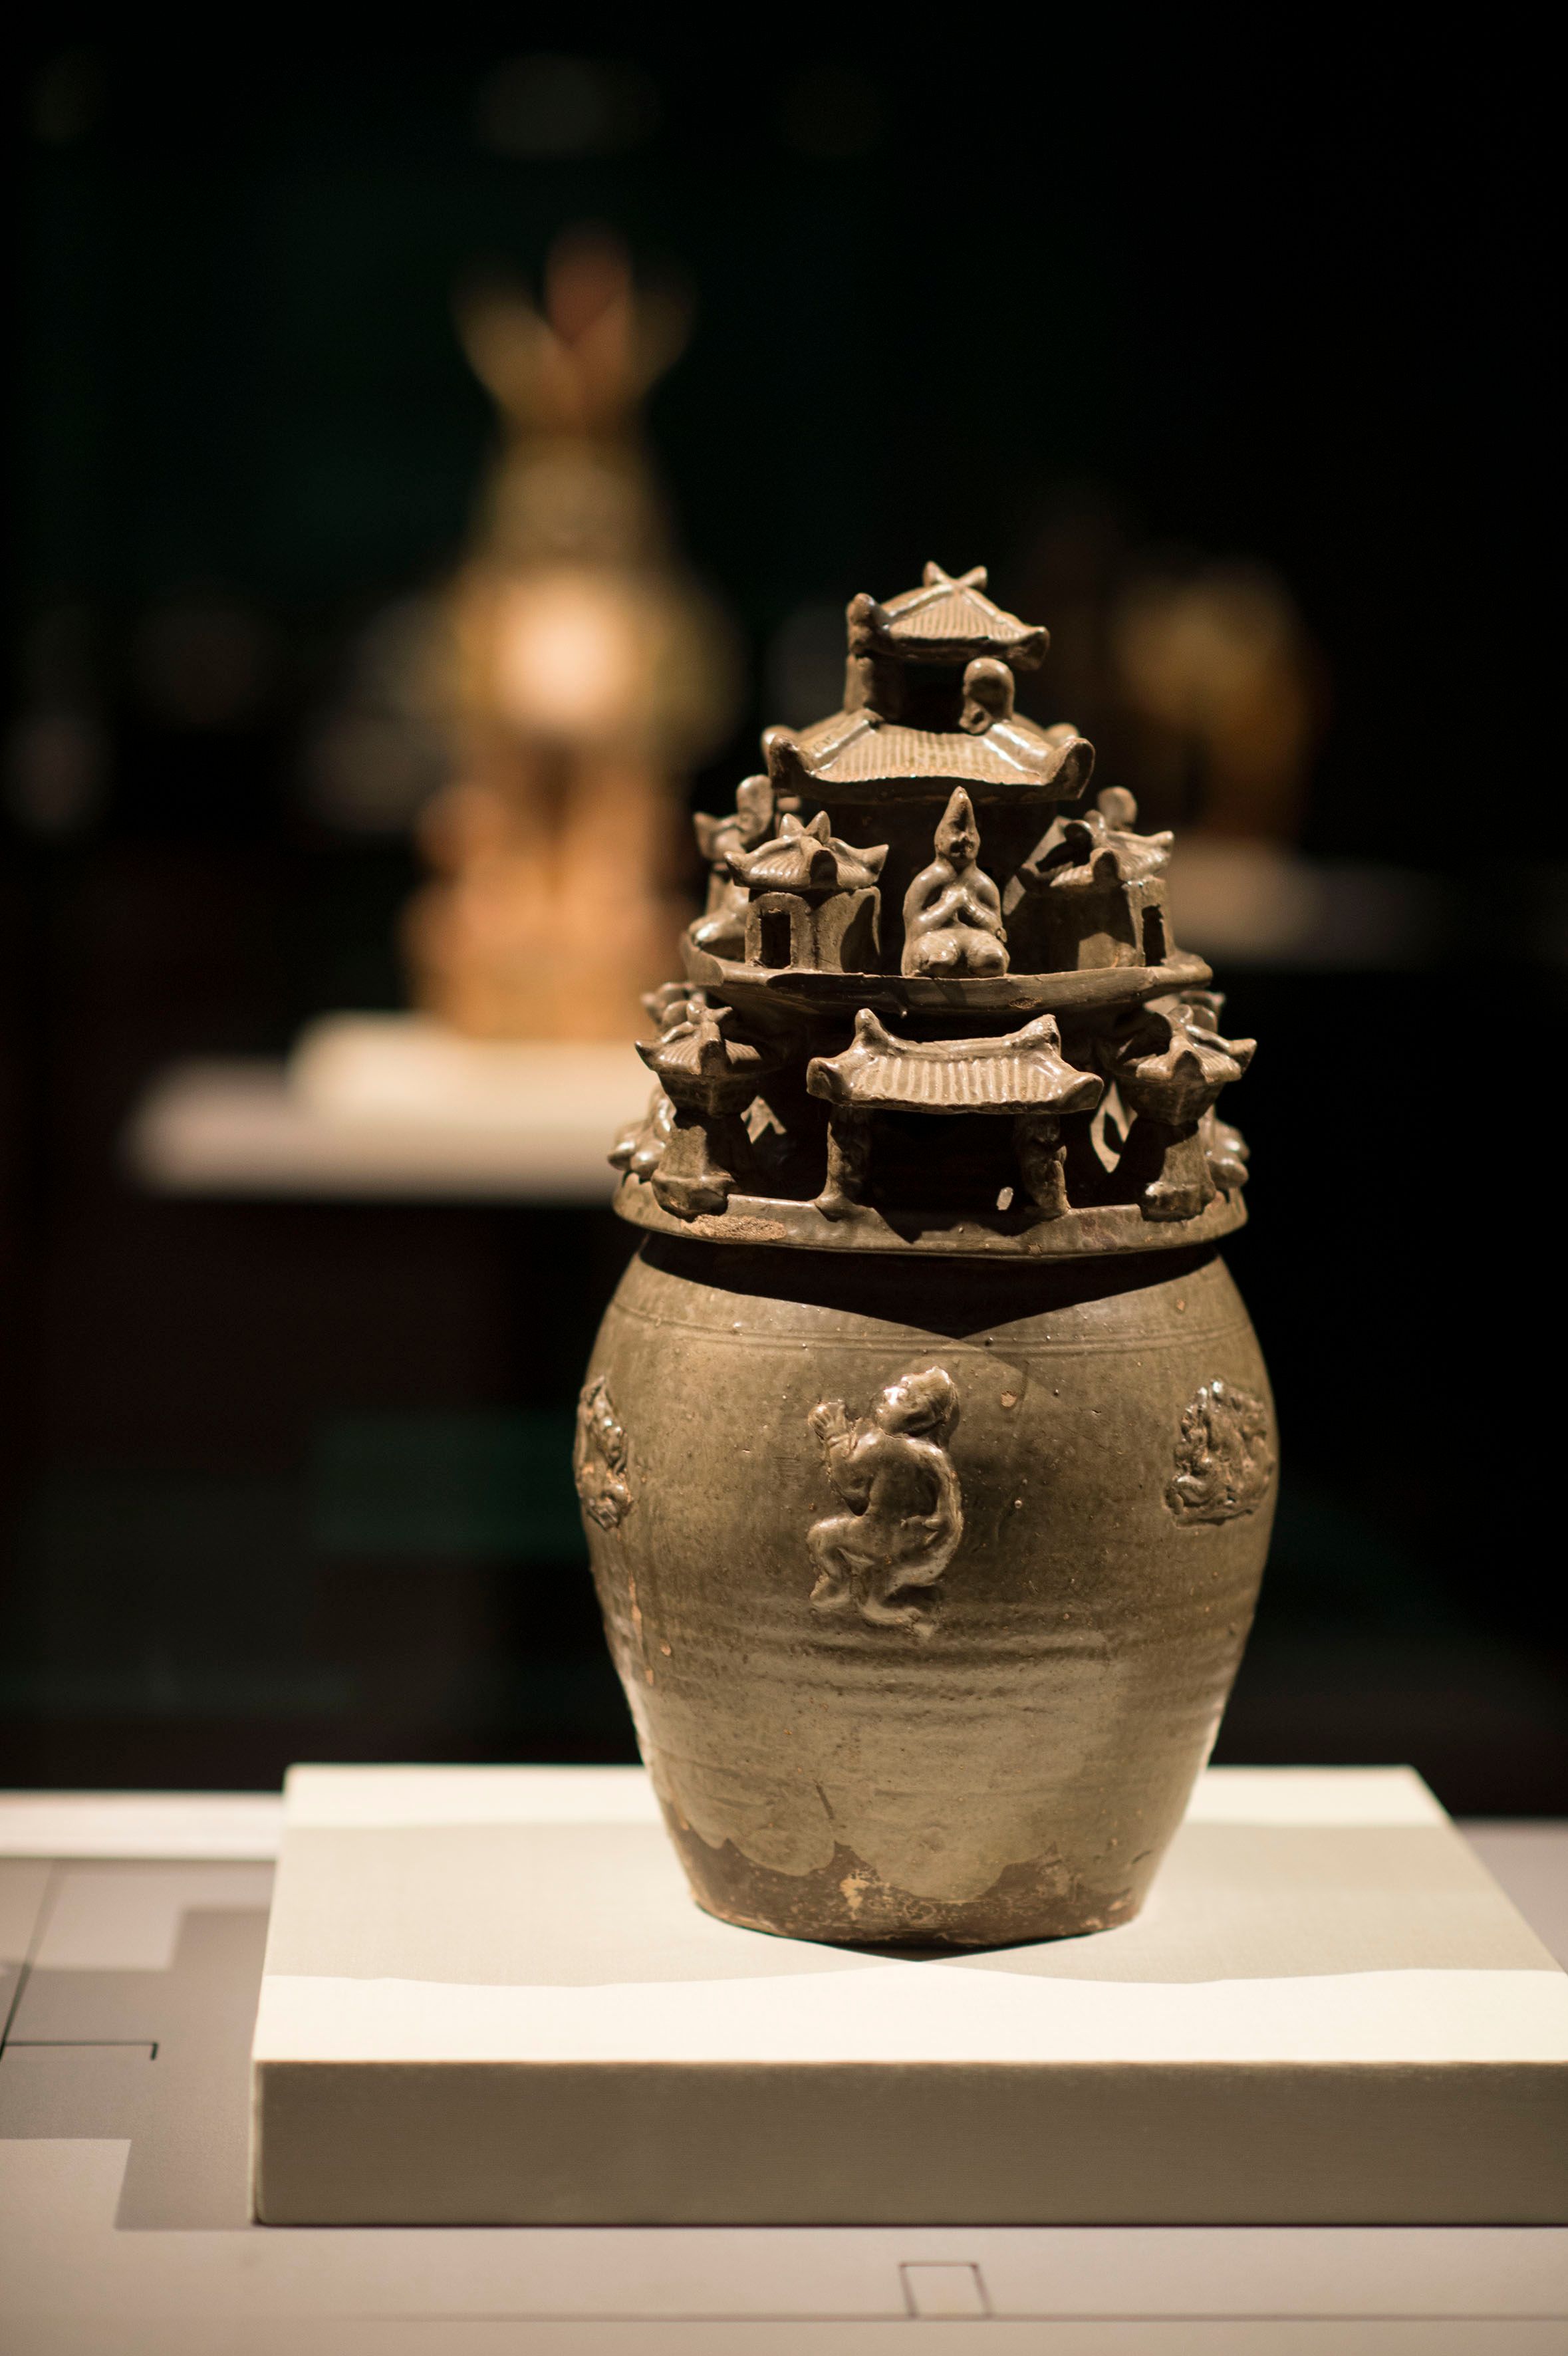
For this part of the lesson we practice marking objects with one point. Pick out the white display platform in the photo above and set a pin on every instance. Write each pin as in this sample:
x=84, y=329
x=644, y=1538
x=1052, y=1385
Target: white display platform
x=488, y=1998
x=394, y=1106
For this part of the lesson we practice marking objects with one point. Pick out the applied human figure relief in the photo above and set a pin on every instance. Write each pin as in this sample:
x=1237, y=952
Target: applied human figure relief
x=1224, y=1457
x=893, y=1471
x=600, y=1459
x=952, y=911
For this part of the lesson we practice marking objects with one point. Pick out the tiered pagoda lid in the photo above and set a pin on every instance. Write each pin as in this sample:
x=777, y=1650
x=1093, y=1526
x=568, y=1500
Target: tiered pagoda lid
x=926, y=1009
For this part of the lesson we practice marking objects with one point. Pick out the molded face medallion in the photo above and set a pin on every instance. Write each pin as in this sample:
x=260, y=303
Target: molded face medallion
x=904, y=1521
x=1225, y=1458
x=600, y=1459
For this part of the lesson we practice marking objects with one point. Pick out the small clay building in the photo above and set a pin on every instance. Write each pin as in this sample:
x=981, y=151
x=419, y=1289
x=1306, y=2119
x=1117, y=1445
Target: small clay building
x=813, y=901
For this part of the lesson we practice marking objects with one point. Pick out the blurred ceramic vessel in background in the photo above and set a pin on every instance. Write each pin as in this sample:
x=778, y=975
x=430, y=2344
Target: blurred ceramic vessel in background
x=582, y=671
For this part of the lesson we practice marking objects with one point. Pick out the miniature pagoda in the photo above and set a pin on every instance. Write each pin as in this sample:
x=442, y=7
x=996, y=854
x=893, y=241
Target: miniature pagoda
x=934, y=1002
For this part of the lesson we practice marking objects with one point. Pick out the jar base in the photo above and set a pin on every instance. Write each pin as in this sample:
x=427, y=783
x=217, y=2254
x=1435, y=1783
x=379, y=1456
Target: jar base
x=846, y=1903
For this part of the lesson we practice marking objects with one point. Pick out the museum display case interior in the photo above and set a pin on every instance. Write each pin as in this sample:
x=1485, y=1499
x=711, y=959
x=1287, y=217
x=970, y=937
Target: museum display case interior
x=927, y=1461
x=667, y=1262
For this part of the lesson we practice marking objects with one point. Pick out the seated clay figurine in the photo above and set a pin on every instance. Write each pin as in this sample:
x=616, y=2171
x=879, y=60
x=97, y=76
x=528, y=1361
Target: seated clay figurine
x=952, y=912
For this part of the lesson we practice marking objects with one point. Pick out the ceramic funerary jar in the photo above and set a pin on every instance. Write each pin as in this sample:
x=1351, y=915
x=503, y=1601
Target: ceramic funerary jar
x=927, y=1454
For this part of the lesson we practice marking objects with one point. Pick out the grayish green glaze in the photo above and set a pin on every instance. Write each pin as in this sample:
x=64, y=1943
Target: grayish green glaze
x=927, y=1456
x=1008, y=1762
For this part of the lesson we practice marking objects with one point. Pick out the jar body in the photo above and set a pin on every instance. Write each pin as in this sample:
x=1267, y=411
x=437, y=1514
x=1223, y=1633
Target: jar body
x=927, y=1582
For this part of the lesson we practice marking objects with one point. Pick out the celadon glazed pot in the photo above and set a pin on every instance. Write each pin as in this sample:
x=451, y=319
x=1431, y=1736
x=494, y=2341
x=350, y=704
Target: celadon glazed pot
x=927, y=1454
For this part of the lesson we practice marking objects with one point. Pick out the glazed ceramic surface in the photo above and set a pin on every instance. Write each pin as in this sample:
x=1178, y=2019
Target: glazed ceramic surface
x=926, y=1455
x=927, y=1583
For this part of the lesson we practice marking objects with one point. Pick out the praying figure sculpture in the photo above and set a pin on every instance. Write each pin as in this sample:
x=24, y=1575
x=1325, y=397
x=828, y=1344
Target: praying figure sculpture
x=952, y=911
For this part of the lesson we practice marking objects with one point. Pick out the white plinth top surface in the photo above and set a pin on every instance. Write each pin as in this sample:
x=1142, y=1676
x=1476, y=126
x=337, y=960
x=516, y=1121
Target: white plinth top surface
x=651, y=1979
x=461, y=1920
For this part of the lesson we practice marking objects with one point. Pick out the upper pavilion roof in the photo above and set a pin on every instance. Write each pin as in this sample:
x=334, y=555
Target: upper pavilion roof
x=944, y=621
x=859, y=752
x=929, y=704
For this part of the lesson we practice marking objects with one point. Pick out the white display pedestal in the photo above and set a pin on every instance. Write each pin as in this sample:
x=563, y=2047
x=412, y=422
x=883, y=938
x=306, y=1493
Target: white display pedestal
x=488, y=1998
x=394, y=1106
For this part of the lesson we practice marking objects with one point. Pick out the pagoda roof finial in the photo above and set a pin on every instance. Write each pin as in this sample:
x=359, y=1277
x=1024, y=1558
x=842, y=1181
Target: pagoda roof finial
x=948, y=619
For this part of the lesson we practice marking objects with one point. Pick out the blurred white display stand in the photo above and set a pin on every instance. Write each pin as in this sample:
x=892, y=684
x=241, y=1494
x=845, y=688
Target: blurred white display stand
x=394, y=1105
x=1262, y=904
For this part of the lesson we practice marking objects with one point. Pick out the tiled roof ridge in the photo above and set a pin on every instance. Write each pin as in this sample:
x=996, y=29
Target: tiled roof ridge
x=858, y=746
x=911, y=624
x=803, y=857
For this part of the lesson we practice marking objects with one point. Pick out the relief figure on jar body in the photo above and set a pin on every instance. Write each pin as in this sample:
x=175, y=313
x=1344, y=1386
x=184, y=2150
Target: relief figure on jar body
x=893, y=1471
